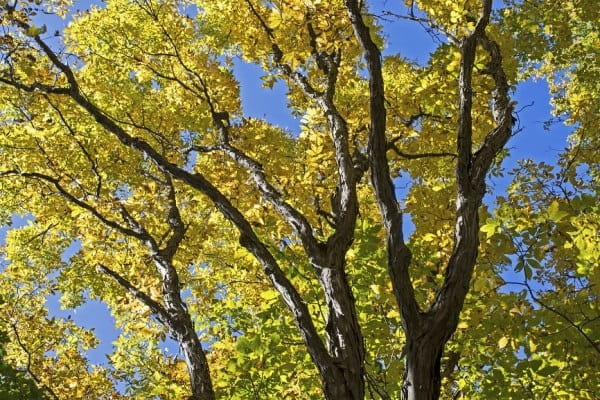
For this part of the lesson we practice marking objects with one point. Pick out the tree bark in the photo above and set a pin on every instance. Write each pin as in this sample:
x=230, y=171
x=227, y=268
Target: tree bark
x=182, y=331
x=422, y=379
x=174, y=316
x=344, y=338
x=427, y=332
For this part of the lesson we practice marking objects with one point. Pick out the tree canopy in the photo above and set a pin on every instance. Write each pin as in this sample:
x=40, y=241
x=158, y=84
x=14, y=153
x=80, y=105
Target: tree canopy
x=353, y=259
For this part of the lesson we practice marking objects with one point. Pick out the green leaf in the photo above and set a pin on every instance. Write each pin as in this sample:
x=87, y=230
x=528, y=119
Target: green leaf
x=555, y=213
x=527, y=270
x=490, y=227
x=35, y=31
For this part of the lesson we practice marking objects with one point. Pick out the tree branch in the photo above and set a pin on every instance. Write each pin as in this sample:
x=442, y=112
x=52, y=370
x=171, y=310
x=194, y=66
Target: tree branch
x=152, y=304
x=272, y=195
x=562, y=315
x=71, y=198
x=175, y=222
x=398, y=253
x=35, y=378
x=35, y=87
x=409, y=156
x=248, y=237
x=495, y=140
x=470, y=177
x=86, y=153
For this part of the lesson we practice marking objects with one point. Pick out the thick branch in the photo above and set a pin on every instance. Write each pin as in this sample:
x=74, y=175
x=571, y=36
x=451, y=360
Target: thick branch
x=470, y=176
x=502, y=111
x=464, y=141
x=175, y=223
x=398, y=253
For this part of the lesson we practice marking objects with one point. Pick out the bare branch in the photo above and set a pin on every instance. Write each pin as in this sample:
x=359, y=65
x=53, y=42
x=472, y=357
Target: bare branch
x=409, y=156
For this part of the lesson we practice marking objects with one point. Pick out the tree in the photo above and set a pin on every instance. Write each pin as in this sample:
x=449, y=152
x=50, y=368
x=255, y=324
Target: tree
x=276, y=261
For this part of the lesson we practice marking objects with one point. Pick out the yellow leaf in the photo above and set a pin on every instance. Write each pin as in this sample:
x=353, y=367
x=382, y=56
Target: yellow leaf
x=376, y=289
x=429, y=237
x=268, y=295
x=502, y=342
x=532, y=346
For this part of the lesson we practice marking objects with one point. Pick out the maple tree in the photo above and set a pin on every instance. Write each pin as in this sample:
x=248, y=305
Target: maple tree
x=279, y=262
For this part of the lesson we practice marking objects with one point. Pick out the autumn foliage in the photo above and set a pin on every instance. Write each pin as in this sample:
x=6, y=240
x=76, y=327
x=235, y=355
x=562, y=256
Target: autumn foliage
x=355, y=258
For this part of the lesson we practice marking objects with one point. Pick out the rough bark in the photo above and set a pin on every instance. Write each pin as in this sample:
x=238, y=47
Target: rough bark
x=173, y=315
x=182, y=331
x=344, y=338
x=422, y=378
x=427, y=332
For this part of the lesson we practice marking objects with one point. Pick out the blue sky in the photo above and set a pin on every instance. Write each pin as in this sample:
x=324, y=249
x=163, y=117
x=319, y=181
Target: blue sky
x=414, y=43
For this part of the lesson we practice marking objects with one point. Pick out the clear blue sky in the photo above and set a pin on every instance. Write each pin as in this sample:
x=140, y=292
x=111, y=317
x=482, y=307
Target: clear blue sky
x=411, y=40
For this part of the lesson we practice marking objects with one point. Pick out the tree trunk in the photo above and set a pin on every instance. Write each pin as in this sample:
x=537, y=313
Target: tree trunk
x=195, y=359
x=181, y=327
x=422, y=379
x=344, y=338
